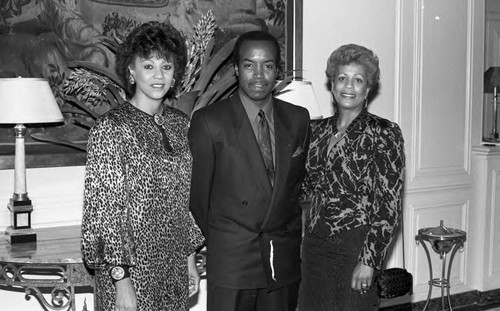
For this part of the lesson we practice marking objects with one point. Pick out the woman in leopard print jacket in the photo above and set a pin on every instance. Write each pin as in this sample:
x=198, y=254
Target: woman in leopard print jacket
x=137, y=232
x=355, y=174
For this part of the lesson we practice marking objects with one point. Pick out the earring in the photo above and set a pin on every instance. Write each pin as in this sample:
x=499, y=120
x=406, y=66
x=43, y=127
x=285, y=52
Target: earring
x=366, y=102
x=173, y=83
x=131, y=79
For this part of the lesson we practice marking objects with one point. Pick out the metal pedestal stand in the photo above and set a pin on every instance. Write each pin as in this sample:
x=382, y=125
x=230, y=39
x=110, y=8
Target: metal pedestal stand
x=442, y=240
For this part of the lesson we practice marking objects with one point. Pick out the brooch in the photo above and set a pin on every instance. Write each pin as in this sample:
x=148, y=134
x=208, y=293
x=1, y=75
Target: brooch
x=159, y=119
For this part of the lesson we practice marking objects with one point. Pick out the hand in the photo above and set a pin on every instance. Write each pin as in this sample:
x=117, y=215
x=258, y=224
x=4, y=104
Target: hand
x=362, y=278
x=194, y=276
x=126, y=299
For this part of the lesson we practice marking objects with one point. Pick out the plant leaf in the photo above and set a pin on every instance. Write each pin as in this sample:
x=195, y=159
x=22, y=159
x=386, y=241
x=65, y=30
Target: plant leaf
x=44, y=137
x=82, y=123
x=282, y=84
x=207, y=74
x=186, y=102
x=109, y=43
x=113, y=95
x=75, y=111
x=105, y=71
x=220, y=88
x=79, y=104
x=208, y=52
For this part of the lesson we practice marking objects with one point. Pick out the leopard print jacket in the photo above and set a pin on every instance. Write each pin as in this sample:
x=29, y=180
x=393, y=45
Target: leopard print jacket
x=135, y=210
x=360, y=182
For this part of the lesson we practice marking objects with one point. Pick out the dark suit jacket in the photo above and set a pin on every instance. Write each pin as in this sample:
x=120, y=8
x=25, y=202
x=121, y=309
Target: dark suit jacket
x=253, y=231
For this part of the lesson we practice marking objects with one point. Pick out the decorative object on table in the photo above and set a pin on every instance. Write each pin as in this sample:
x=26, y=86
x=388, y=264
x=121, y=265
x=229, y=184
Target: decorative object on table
x=24, y=101
x=394, y=282
x=492, y=86
x=300, y=93
x=442, y=240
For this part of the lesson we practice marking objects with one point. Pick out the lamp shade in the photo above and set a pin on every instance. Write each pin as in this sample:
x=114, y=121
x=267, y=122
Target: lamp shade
x=301, y=93
x=27, y=100
x=491, y=79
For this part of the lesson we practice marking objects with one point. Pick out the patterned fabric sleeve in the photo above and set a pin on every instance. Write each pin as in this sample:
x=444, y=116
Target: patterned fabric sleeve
x=194, y=236
x=305, y=189
x=105, y=235
x=388, y=201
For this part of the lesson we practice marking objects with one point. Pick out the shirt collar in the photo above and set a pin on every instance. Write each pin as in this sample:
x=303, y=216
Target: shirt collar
x=252, y=109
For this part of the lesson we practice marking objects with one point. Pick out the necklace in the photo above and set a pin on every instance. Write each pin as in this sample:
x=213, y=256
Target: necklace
x=340, y=132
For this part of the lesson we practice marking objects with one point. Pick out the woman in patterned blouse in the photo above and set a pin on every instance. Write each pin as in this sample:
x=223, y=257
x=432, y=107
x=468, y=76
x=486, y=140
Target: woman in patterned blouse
x=355, y=176
x=137, y=232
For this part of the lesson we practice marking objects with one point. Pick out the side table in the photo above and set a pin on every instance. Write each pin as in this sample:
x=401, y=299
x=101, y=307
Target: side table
x=442, y=240
x=52, y=265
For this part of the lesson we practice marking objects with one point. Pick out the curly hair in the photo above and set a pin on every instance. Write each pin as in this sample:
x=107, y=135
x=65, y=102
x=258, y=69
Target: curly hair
x=257, y=35
x=152, y=39
x=353, y=53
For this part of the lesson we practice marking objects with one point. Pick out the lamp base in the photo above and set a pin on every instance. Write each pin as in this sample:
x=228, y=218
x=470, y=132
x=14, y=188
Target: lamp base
x=14, y=236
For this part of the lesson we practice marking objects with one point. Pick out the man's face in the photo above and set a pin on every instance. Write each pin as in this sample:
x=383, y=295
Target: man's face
x=257, y=70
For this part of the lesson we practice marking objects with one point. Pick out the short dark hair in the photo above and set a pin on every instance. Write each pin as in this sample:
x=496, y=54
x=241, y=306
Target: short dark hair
x=353, y=53
x=152, y=38
x=257, y=35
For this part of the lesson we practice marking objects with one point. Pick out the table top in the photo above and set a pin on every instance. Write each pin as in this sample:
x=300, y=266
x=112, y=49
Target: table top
x=54, y=245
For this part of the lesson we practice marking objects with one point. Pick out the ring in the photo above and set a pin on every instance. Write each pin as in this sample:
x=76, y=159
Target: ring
x=364, y=285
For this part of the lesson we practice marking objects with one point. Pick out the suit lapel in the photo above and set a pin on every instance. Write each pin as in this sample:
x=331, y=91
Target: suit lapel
x=247, y=143
x=283, y=144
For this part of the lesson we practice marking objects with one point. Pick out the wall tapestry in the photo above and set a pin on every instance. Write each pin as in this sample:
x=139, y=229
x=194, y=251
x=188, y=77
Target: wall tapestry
x=71, y=43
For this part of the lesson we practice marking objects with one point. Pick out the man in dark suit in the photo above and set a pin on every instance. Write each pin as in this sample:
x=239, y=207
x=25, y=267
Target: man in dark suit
x=249, y=153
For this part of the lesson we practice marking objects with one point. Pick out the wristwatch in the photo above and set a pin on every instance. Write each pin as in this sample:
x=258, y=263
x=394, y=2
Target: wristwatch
x=118, y=273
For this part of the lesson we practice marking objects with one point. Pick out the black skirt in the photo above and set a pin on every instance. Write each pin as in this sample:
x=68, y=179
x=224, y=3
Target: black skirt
x=327, y=267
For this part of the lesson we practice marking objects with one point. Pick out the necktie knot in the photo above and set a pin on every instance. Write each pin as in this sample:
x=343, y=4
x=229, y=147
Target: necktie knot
x=262, y=115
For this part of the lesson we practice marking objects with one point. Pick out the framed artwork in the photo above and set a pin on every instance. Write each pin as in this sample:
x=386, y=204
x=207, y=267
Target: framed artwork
x=42, y=38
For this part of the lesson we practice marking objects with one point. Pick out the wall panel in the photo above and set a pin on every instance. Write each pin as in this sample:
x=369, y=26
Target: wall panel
x=441, y=102
x=493, y=267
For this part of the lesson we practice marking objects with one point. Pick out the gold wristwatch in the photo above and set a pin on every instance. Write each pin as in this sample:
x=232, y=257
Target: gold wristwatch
x=118, y=273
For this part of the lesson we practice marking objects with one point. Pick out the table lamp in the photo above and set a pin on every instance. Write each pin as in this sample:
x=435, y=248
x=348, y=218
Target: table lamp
x=301, y=93
x=491, y=86
x=24, y=101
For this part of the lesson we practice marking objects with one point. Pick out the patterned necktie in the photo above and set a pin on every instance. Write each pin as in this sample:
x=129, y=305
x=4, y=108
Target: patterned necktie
x=264, y=141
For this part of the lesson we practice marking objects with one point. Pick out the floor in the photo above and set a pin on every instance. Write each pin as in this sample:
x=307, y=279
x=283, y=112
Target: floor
x=479, y=308
x=468, y=301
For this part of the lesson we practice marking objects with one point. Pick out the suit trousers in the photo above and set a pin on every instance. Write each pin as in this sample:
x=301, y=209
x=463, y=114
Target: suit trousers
x=230, y=299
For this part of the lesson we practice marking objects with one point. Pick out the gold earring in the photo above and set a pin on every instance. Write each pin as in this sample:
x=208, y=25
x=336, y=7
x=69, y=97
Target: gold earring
x=131, y=79
x=173, y=83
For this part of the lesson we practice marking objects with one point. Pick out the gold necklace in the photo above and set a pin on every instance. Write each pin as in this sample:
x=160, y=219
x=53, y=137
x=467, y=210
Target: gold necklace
x=341, y=133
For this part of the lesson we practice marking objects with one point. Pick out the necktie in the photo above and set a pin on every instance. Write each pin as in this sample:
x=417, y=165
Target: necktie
x=264, y=141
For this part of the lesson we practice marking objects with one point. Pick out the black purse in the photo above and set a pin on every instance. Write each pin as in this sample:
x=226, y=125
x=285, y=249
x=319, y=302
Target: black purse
x=394, y=282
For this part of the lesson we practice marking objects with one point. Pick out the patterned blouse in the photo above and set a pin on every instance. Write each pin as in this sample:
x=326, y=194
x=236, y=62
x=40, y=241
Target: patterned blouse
x=360, y=182
x=136, y=206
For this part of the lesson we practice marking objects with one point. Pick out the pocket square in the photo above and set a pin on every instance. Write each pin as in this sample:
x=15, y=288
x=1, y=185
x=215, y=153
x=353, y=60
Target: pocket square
x=297, y=152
